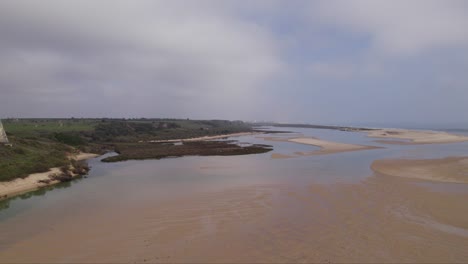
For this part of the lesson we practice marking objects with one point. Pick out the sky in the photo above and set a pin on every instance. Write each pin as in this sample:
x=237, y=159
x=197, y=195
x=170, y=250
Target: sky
x=327, y=62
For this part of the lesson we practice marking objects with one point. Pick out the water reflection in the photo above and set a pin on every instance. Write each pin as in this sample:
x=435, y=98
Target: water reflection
x=5, y=204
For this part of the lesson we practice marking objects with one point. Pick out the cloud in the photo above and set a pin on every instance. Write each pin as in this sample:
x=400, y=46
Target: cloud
x=398, y=27
x=84, y=54
x=344, y=69
x=291, y=60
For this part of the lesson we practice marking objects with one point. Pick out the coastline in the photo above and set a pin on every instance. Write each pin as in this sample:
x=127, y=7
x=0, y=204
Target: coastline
x=32, y=182
x=240, y=134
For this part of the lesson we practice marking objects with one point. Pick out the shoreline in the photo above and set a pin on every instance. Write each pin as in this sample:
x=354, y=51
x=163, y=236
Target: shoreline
x=32, y=182
x=240, y=134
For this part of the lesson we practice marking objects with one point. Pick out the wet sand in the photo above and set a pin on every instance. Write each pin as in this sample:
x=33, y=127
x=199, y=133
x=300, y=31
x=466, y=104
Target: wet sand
x=450, y=169
x=32, y=181
x=415, y=136
x=382, y=219
x=326, y=147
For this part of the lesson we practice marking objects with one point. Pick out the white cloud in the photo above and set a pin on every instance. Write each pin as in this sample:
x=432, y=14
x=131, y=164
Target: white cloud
x=398, y=27
x=200, y=52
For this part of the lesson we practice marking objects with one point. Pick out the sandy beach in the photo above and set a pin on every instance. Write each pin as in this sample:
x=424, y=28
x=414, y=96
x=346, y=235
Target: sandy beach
x=32, y=182
x=207, y=137
x=450, y=169
x=415, y=136
x=326, y=147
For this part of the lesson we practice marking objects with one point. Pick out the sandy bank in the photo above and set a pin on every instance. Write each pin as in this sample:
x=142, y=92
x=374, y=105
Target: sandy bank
x=326, y=147
x=206, y=137
x=415, y=136
x=450, y=169
x=33, y=181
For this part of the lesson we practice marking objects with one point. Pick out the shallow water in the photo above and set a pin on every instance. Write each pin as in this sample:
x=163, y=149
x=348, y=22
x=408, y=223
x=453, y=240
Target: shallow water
x=287, y=205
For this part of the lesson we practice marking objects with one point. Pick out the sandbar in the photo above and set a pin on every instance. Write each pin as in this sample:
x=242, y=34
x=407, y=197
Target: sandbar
x=415, y=136
x=33, y=181
x=326, y=147
x=449, y=169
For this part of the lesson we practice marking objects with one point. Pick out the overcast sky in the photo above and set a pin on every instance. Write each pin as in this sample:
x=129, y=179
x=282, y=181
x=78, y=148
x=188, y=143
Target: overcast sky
x=334, y=62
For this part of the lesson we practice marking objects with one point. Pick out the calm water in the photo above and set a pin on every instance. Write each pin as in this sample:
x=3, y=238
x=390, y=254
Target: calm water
x=111, y=186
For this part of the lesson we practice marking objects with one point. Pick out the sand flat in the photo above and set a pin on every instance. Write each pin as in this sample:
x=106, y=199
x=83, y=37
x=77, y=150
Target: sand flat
x=415, y=136
x=328, y=147
x=450, y=169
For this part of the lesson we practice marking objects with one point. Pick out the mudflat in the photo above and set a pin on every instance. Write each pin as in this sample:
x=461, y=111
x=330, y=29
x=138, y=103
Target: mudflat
x=382, y=219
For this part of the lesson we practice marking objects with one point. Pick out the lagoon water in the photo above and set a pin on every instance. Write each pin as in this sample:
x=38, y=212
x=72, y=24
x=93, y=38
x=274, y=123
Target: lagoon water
x=249, y=208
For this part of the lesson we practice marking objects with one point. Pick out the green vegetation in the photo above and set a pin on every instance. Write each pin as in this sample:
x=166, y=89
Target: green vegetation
x=40, y=144
x=72, y=138
x=36, y=127
x=161, y=129
x=28, y=156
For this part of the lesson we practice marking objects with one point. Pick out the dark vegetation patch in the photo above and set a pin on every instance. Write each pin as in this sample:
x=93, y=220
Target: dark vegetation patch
x=70, y=138
x=199, y=148
x=125, y=131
